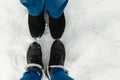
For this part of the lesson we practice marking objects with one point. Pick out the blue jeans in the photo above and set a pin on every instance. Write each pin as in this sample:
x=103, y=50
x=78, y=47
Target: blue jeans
x=56, y=74
x=54, y=8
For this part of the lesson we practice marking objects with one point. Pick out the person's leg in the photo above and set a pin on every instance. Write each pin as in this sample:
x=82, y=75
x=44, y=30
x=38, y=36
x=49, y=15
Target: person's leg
x=59, y=74
x=57, y=26
x=36, y=25
x=36, y=20
x=34, y=7
x=55, y=70
x=55, y=10
x=32, y=74
x=34, y=68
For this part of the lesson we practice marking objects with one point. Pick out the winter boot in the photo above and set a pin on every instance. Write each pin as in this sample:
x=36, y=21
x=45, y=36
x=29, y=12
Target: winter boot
x=57, y=26
x=57, y=57
x=34, y=57
x=36, y=25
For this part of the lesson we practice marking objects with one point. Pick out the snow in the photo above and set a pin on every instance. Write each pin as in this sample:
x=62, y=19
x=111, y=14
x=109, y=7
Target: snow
x=91, y=39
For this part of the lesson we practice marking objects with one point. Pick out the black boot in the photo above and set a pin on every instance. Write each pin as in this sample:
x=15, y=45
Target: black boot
x=57, y=57
x=34, y=57
x=36, y=25
x=57, y=26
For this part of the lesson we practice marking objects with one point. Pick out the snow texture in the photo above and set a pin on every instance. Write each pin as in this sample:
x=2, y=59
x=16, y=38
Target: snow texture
x=91, y=38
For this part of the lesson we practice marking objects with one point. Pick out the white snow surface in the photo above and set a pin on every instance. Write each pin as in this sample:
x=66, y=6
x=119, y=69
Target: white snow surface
x=91, y=39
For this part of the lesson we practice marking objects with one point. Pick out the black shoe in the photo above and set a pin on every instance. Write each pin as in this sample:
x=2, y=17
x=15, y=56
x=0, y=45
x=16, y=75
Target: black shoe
x=57, y=55
x=36, y=25
x=57, y=26
x=34, y=55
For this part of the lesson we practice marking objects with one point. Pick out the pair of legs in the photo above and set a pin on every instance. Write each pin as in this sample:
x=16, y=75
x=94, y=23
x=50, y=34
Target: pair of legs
x=55, y=70
x=36, y=21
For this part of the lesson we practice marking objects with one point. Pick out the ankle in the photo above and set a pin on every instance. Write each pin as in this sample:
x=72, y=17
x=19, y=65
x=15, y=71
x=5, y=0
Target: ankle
x=36, y=69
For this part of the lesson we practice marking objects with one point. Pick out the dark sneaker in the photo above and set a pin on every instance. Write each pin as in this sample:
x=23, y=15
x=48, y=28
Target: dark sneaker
x=36, y=25
x=57, y=26
x=57, y=55
x=34, y=55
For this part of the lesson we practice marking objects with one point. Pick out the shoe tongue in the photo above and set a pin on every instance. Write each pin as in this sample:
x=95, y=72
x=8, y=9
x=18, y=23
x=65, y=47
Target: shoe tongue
x=57, y=59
